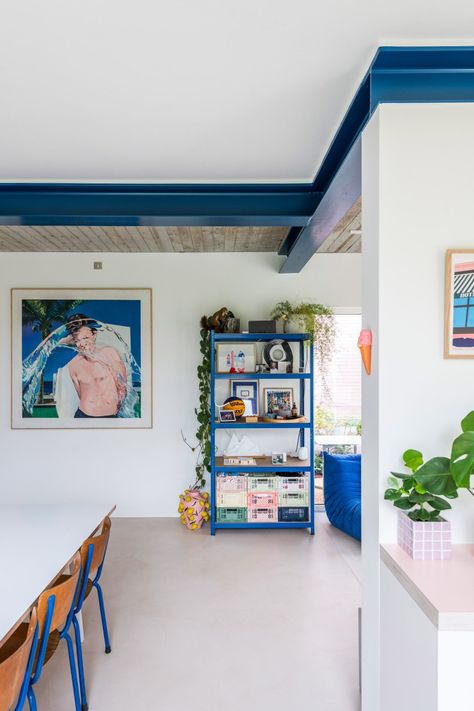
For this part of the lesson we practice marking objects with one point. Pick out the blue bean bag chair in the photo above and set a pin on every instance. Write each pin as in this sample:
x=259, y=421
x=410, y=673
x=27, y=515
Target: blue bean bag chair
x=342, y=496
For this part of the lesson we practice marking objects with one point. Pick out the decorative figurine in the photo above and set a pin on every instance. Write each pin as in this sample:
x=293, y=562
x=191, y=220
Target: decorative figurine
x=294, y=410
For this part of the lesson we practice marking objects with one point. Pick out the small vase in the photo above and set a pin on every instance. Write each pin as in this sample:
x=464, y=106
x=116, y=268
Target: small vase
x=193, y=508
x=294, y=324
x=424, y=540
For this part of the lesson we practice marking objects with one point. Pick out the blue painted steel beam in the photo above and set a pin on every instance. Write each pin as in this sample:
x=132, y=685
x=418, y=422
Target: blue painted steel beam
x=396, y=75
x=55, y=204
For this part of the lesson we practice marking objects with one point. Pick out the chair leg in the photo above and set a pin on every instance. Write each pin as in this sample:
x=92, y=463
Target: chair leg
x=31, y=699
x=103, y=618
x=80, y=664
x=72, y=664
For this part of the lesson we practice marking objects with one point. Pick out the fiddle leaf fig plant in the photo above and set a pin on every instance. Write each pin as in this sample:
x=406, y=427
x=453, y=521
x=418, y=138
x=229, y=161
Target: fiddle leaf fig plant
x=424, y=492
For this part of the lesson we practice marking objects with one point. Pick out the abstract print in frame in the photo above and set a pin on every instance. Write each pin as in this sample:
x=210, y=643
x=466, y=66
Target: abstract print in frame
x=459, y=304
x=81, y=358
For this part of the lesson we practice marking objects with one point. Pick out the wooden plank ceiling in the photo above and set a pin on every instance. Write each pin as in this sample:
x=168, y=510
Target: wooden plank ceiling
x=19, y=238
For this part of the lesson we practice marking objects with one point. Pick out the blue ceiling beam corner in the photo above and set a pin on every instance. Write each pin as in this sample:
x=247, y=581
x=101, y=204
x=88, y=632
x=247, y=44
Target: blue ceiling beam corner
x=396, y=75
x=114, y=204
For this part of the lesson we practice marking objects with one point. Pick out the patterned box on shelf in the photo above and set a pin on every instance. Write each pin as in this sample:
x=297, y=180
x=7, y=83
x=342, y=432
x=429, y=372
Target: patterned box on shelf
x=292, y=483
x=424, y=540
x=293, y=513
x=231, y=482
x=261, y=483
x=235, y=515
x=231, y=499
x=262, y=499
x=266, y=514
x=293, y=498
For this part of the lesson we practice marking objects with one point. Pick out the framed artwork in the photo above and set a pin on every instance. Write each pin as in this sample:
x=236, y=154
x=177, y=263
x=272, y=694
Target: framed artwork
x=276, y=399
x=246, y=390
x=227, y=416
x=236, y=357
x=81, y=358
x=459, y=304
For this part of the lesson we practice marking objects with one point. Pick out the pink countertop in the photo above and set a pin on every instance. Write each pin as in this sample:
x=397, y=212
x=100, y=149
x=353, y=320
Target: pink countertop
x=444, y=590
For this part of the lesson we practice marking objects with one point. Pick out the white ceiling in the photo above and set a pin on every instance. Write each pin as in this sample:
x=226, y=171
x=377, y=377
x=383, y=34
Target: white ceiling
x=192, y=90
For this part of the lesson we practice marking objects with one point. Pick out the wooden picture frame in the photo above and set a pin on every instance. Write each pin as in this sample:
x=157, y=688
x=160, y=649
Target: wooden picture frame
x=236, y=358
x=459, y=304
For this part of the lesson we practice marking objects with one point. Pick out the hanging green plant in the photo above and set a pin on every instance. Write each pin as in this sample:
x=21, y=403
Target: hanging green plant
x=203, y=414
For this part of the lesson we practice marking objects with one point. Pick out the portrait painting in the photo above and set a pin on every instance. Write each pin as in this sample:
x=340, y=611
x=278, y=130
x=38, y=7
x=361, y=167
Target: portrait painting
x=81, y=358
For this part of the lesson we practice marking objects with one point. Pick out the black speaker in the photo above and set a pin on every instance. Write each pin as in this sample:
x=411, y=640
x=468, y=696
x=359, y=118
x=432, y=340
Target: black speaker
x=262, y=326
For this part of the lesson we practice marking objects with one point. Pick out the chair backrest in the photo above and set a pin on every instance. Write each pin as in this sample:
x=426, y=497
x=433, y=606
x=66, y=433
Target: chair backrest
x=100, y=547
x=13, y=668
x=64, y=594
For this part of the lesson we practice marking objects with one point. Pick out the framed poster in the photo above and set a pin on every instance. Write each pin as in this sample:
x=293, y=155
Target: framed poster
x=459, y=304
x=276, y=399
x=81, y=358
x=236, y=357
x=246, y=390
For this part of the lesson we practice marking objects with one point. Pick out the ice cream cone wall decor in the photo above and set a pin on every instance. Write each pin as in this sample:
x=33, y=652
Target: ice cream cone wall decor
x=365, y=345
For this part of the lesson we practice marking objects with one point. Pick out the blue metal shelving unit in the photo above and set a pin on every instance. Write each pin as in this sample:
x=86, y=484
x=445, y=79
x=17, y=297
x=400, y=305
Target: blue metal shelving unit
x=305, y=379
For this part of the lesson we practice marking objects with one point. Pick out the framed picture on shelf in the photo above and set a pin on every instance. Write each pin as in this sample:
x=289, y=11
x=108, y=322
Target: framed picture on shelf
x=227, y=416
x=459, y=304
x=246, y=390
x=276, y=399
x=236, y=357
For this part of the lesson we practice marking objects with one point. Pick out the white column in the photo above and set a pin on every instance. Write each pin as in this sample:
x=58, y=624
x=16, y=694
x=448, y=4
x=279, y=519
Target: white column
x=417, y=201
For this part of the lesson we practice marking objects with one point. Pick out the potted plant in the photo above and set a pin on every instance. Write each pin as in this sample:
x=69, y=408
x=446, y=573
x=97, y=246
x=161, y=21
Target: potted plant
x=193, y=502
x=424, y=493
x=315, y=319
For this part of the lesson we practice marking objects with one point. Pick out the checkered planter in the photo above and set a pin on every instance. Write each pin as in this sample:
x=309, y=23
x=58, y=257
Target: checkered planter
x=424, y=540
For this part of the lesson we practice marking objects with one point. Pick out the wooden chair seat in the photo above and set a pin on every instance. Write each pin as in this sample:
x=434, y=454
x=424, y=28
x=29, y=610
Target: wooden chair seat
x=18, y=637
x=63, y=578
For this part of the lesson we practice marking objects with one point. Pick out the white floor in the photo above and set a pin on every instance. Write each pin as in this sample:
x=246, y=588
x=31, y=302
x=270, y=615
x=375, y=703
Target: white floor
x=261, y=620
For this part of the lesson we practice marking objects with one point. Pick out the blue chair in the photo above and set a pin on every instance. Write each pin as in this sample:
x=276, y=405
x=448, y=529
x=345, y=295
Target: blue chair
x=92, y=552
x=55, y=612
x=16, y=665
x=342, y=492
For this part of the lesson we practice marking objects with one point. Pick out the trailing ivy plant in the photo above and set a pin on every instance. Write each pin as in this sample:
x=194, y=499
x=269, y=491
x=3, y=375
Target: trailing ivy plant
x=203, y=414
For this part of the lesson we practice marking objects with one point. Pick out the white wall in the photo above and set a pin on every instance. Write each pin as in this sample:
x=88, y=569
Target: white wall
x=143, y=471
x=418, y=184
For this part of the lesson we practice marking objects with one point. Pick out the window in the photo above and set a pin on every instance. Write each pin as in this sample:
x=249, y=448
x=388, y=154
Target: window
x=338, y=401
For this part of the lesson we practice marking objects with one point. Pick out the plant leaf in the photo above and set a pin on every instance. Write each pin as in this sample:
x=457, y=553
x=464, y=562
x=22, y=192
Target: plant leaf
x=403, y=503
x=417, y=498
x=435, y=476
x=392, y=495
x=467, y=424
x=413, y=459
x=393, y=482
x=439, y=504
x=462, y=459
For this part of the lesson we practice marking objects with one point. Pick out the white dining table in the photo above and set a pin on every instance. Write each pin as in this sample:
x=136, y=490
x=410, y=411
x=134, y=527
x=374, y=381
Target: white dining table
x=36, y=542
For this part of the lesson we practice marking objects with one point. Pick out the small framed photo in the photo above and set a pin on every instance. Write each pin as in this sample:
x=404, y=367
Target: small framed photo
x=246, y=390
x=236, y=357
x=459, y=304
x=277, y=399
x=278, y=457
x=227, y=416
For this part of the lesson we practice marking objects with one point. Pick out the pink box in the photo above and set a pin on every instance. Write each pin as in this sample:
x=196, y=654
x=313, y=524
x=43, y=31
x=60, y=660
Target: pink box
x=262, y=499
x=424, y=540
x=267, y=514
x=229, y=482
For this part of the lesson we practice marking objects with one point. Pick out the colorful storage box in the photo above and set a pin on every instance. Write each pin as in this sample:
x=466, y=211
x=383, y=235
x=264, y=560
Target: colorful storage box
x=293, y=513
x=262, y=483
x=265, y=514
x=292, y=483
x=262, y=499
x=231, y=482
x=231, y=515
x=293, y=498
x=231, y=499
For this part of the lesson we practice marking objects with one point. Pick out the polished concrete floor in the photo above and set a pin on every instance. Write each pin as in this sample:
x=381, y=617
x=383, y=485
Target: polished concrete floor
x=261, y=620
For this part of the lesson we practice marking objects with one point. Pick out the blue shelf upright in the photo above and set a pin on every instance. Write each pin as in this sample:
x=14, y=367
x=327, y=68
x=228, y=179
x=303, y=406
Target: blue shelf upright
x=304, y=377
